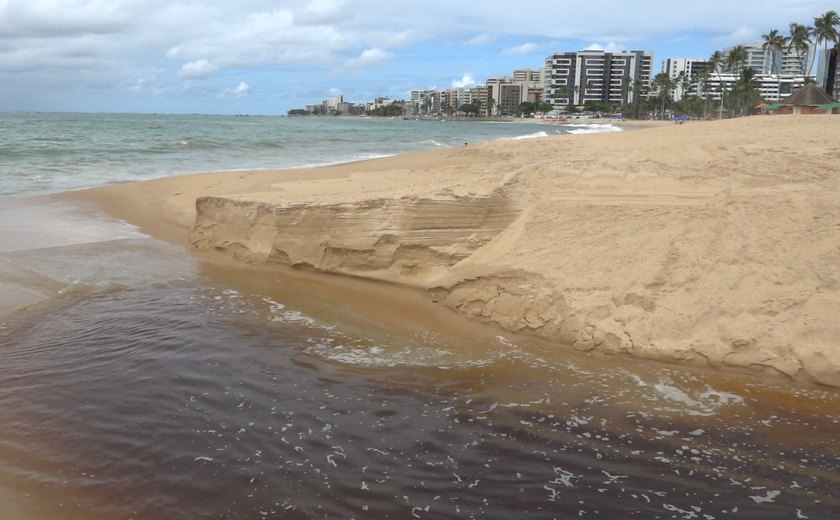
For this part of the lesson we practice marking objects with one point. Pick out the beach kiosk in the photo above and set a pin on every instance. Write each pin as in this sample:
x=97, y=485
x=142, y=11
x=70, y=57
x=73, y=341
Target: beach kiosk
x=806, y=100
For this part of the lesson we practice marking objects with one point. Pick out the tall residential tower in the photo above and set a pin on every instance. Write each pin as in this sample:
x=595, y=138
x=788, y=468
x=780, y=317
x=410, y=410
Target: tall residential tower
x=574, y=78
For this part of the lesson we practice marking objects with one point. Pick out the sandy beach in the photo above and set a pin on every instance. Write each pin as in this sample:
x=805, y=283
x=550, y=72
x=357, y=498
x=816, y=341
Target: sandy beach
x=712, y=244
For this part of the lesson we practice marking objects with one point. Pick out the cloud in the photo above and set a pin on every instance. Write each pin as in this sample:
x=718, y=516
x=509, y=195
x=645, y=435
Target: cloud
x=369, y=57
x=480, y=39
x=466, y=81
x=739, y=35
x=198, y=69
x=610, y=47
x=525, y=48
x=317, y=12
x=80, y=49
x=238, y=91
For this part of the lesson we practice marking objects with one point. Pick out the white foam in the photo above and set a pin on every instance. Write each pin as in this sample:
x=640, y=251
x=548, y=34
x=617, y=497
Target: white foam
x=593, y=129
x=769, y=497
x=28, y=225
x=535, y=135
x=703, y=404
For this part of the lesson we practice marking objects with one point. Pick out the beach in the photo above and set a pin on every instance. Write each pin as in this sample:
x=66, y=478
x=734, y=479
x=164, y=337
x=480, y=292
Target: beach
x=504, y=329
x=710, y=243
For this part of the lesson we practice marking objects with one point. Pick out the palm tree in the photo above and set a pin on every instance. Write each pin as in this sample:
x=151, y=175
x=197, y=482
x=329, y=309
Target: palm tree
x=774, y=43
x=663, y=85
x=702, y=86
x=638, y=89
x=715, y=63
x=745, y=93
x=825, y=31
x=800, y=41
x=736, y=59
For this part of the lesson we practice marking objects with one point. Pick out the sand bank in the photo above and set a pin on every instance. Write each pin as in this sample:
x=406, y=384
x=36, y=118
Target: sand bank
x=713, y=244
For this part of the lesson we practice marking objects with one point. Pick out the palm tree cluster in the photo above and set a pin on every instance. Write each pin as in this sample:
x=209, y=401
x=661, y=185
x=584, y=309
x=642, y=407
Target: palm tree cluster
x=744, y=94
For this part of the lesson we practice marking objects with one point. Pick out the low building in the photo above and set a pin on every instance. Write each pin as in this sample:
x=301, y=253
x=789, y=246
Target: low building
x=805, y=101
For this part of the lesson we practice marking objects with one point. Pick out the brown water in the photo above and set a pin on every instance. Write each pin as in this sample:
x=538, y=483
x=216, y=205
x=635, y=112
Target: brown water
x=148, y=386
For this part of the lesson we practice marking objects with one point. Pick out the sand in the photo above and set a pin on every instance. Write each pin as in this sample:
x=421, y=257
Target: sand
x=707, y=243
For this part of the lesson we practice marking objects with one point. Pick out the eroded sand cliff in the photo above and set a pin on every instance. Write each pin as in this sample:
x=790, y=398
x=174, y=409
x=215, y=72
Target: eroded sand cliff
x=706, y=243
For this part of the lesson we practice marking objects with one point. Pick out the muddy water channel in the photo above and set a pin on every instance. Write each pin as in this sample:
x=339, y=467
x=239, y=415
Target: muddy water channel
x=151, y=387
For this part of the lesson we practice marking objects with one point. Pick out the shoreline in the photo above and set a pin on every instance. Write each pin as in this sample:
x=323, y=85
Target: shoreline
x=717, y=255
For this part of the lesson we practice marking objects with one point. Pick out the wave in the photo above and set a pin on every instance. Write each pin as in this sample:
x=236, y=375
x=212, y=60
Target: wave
x=580, y=129
x=535, y=135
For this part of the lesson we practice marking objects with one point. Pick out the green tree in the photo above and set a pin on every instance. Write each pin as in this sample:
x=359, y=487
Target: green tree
x=663, y=86
x=527, y=108
x=491, y=103
x=470, y=108
x=716, y=62
x=392, y=110
x=638, y=90
x=824, y=29
x=702, y=86
x=800, y=41
x=774, y=43
x=736, y=59
x=745, y=94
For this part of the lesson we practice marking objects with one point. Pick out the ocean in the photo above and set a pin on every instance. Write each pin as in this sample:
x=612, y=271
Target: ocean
x=138, y=382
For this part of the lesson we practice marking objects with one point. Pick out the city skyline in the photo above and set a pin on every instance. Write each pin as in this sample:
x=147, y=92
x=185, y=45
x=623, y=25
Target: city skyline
x=256, y=58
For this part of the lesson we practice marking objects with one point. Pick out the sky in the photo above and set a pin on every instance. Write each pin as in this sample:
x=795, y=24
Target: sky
x=266, y=57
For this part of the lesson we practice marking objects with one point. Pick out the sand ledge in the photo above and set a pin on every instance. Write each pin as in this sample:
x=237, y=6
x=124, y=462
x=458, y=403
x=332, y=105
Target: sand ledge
x=709, y=244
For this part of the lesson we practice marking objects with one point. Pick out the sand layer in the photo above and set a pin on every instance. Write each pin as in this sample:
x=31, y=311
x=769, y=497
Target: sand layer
x=714, y=243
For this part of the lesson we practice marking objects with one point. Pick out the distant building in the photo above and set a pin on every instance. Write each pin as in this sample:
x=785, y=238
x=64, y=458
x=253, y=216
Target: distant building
x=831, y=88
x=684, y=72
x=767, y=62
x=425, y=102
x=509, y=92
x=574, y=78
x=771, y=87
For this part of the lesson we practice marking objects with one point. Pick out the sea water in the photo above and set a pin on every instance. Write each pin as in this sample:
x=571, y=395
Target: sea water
x=140, y=383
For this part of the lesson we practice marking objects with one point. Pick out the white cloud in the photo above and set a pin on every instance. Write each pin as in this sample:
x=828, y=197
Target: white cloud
x=466, y=81
x=67, y=48
x=610, y=47
x=525, y=48
x=739, y=35
x=198, y=69
x=321, y=12
x=480, y=39
x=369, y=57
x=239, y=91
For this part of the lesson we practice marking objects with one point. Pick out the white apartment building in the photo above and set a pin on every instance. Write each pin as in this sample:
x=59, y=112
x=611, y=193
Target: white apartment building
x=573, y=78
x=771, y=87
x=786, y=62
x=678, y=68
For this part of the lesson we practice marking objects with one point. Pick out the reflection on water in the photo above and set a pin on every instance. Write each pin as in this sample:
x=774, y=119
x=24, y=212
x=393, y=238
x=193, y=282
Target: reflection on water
x=174, y=392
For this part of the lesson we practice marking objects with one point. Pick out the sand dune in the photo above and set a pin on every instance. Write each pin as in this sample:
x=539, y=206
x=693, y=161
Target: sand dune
x=706, y=243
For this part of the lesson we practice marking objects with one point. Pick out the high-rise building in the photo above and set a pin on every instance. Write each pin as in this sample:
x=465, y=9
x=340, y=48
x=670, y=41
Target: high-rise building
x=574, y=78
x=509, y=92
x=684, y=72
x=826, y=67
x=788, y=61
